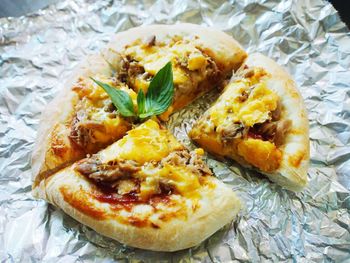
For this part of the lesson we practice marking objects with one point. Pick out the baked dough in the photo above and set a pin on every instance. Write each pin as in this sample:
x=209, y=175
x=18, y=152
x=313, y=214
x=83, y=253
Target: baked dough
x=176, y=204
x=247, y=104
x=202, y=59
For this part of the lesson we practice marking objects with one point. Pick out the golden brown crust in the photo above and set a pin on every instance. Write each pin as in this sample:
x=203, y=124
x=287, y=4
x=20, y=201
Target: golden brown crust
x=222, y=47
x=216, y=210
x=292, y=173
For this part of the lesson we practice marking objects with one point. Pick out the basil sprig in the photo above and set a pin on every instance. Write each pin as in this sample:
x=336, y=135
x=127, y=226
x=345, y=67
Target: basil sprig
x=157, y=100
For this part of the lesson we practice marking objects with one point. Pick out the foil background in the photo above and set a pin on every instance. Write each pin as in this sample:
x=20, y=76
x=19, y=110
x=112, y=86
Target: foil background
x=307, y=37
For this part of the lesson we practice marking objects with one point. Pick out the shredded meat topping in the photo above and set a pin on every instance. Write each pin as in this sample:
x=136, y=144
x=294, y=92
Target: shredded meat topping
x=94, y=169
x=79, y=134
x=235, y=130
x=122, y=73
x=276, y=114
x=189, y=159
x=274, y=131
x=150, y=41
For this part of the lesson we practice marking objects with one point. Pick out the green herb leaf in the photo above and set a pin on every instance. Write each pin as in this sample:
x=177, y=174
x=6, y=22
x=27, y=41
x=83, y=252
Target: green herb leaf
x=157, y=100
x=160, y=92
x=121, y=100
x=141, y=101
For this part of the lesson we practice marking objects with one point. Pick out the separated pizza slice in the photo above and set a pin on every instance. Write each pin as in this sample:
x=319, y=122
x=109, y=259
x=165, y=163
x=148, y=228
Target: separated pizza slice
x=146, y=191
x=202, y=58
x=261, y=122
x=80, y=120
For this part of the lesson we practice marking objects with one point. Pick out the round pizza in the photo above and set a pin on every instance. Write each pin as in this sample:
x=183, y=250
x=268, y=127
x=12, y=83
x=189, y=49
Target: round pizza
x=104, y=157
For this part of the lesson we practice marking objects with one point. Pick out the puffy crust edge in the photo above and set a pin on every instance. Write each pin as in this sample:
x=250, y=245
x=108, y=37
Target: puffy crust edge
x=173, y=235
x=223, y=47
x=292, y=173
x=58, y=111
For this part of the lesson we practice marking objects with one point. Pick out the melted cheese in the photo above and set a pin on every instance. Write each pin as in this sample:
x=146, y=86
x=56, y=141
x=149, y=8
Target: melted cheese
x=261, y=154
x=180, y=177
x=248, y=101
x=153, y=58
x=143, y=144
x=103, y=126
x=256, y=108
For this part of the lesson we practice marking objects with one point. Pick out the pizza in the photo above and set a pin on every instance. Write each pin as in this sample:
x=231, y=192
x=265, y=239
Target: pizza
x=145, y=190
x=82, y=119
x=259, y=121
x=103, y=156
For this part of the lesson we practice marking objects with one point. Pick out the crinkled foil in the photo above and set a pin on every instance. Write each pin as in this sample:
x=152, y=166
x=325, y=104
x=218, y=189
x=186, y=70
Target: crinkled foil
x=38, y=51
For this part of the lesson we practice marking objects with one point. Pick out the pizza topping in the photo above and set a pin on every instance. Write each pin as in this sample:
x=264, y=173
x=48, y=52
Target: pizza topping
x=190, y=159
x=147, y=143
x=274, y=131
x=157, y=100
x=262, y=154
x=230, y=132
x=146, y=162
x=150, y=41
x=94, y=169
x=276, y=114
x=191, y=67
x=283, y=127
x=97, y=122
x=244, y=104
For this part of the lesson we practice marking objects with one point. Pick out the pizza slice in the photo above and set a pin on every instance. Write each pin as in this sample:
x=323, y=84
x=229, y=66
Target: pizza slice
x=80, y=120
x=146, y=191
x=202, y=58
x=259, y=121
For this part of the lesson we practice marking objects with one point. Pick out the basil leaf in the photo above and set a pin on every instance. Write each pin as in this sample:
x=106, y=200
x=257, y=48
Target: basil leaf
x=160, y=92
x=121, y=100
x=141, y=100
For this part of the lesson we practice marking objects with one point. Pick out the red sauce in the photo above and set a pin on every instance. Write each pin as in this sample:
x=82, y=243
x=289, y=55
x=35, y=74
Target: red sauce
x=253, y=135
x=159, y=198
x=118, y=199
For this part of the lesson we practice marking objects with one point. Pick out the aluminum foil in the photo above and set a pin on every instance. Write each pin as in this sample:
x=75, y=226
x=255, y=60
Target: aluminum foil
x=38, y=51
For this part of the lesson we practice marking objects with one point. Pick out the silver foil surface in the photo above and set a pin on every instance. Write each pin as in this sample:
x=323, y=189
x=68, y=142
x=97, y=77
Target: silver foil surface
x=38, y=51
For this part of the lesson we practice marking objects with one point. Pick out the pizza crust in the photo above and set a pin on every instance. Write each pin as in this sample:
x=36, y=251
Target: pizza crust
x=292, y=173
x=57, y=115
x=222, y=47
x=218, y=209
